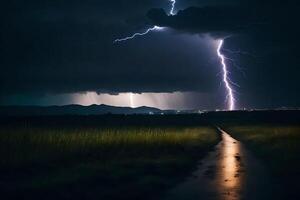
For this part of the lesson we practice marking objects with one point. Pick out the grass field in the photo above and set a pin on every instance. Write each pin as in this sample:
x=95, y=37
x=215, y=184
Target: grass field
x=278, y=146
x=98, y=163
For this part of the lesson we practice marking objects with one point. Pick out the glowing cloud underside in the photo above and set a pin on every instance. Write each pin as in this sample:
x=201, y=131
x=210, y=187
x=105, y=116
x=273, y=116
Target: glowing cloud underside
x=226, y=80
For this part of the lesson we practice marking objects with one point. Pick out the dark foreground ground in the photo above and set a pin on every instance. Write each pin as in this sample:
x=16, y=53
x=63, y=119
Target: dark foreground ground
x=138, y=156
x=62, y=160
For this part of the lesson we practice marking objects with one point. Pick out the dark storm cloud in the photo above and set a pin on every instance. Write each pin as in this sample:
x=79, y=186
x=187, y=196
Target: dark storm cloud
x=56, y=46
x=212, y=20
x=245, y=17
x=267, y=30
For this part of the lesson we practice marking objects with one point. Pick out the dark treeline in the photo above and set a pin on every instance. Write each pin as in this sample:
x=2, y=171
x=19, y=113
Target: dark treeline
x=210, y=118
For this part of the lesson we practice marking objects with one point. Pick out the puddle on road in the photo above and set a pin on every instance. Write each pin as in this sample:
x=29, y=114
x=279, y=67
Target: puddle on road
x=220, y=175
x=230, y=168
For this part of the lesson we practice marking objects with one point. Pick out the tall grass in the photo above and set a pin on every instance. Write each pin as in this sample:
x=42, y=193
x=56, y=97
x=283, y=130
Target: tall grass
x=98, y=163
x=23, y=146
x=278, y=145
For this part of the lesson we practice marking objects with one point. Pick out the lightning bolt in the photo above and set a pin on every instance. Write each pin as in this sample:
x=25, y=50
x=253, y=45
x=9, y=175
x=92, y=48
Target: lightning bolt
x=172, y=7
x=228, y=83
x=154, y=28
x=131, y=100
x=226, y=79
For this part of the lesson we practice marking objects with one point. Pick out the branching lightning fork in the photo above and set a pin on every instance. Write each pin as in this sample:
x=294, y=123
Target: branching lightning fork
x=154, y=28
x=226, y=79
x=228, y=83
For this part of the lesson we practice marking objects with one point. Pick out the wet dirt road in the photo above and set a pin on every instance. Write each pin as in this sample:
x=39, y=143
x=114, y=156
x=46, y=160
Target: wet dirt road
x=230, y=172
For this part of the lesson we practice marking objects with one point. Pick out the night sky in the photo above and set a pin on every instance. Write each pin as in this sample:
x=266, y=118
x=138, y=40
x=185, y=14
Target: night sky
x=56, y=52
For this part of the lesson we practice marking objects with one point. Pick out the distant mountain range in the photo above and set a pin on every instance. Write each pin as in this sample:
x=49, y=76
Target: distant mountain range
x=75, y=110
x=106, y=109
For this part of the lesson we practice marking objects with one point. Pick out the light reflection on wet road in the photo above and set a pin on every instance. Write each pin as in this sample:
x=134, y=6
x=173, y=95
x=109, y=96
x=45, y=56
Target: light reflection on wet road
x=227, y=173
x=230, y=168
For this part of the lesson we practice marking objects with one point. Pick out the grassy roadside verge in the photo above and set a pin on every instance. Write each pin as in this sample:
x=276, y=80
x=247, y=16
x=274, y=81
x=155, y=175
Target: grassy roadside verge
x=279, y=147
